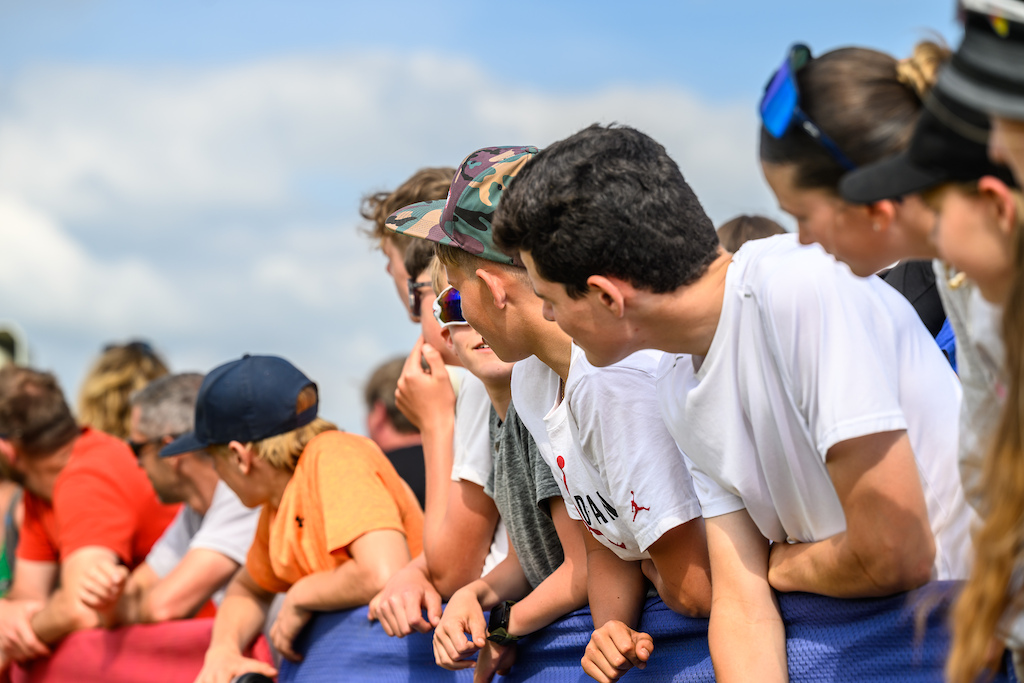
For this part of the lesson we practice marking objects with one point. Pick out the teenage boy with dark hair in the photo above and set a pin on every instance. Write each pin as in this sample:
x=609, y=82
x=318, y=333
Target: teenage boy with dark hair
x=87, y=503
x=336, y=518
x=577, y=416
x=814, y=409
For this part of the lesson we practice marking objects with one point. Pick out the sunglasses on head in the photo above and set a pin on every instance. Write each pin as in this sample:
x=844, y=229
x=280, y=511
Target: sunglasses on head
x=415, y=295
x=780, y=105
x=448, y=308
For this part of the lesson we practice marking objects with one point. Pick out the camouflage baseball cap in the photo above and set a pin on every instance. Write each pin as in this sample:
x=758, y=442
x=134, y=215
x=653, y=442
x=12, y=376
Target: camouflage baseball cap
x=464, y=219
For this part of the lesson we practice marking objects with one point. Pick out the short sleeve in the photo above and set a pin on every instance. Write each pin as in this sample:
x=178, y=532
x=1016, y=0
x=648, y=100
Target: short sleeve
x=33, y=542
x=616, y=412
x=354, y=496
x=90, y=510
x=227, y=527
x=472, y=460
x=257, y=562
x=544, y=483
x=714, y=500
x=843, y=369
x=173, y=544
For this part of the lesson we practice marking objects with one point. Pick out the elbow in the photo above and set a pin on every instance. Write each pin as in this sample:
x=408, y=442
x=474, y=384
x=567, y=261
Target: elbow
x=164, y=610
x=901, y=565
x=691, y=599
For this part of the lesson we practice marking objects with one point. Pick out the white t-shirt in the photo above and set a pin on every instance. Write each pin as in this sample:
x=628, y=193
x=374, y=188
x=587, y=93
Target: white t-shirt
x=473, y=458
x=618, y=468
x=807, y=355
x=227, y=527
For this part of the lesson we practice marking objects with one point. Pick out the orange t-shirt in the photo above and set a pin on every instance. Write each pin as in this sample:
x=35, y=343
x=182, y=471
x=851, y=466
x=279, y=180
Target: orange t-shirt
x=101, y=497
x=342, y=488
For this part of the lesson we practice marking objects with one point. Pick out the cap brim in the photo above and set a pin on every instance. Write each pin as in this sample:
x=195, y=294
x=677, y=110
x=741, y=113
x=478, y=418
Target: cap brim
x=186, y=443
x=888, y=179
x=422, y=220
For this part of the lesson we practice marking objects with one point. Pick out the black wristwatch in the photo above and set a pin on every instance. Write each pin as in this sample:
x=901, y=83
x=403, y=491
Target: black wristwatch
x=497, y=624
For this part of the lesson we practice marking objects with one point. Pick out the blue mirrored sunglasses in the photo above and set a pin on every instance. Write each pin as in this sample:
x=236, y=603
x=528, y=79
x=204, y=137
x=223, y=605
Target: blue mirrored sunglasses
x=448, y=308
x=780, y=105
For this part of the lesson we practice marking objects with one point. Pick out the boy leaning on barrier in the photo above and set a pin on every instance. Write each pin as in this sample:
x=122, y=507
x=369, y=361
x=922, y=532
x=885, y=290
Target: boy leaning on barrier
x=337, y=520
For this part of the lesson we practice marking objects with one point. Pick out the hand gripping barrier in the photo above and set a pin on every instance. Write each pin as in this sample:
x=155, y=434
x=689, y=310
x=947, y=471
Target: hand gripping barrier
x=827, y=640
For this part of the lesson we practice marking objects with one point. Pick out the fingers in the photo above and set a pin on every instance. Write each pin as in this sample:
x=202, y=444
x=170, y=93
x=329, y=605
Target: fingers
x=452, y=647
x=432, y=602
x=612, y=651
x=373, y=607
x=644, y=646
x=283, y=643
x=478, y=628
x=434, y=360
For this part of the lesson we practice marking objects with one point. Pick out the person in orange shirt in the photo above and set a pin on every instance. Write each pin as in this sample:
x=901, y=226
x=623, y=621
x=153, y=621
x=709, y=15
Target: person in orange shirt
x=337, y=520
x=87, y=505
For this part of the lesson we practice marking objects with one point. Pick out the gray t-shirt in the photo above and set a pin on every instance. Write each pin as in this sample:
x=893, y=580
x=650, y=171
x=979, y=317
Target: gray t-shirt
x=521, y=484
x=227, y=527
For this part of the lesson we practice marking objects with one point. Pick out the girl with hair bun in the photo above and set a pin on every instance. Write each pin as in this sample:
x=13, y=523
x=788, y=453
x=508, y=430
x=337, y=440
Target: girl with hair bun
x=826, y=116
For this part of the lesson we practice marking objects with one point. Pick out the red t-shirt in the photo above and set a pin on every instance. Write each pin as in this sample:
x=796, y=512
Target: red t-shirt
x=102, y=497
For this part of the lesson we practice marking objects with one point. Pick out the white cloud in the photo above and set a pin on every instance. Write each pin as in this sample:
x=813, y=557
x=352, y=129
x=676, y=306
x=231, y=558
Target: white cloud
x=86, y=140
x=172, y=201
x=45, y=276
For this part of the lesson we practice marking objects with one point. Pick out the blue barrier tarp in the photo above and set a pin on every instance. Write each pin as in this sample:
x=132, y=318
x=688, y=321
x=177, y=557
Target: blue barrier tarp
x=827, y=640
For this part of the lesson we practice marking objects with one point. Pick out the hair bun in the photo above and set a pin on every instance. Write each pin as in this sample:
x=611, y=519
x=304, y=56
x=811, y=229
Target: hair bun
x=919, y=71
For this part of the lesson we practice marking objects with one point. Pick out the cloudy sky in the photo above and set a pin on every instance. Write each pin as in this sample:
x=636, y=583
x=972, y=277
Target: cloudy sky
x=190, y=172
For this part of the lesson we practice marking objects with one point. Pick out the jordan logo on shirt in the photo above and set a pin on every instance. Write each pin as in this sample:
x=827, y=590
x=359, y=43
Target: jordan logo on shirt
x=299, y=521
x=581, y=507
x=636, y=508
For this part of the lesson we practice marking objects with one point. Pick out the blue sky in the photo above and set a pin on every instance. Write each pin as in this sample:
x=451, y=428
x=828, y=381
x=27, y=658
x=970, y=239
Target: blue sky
x=190, y=172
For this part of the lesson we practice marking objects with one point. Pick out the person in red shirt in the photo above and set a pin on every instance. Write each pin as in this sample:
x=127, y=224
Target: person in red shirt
x=87, y=503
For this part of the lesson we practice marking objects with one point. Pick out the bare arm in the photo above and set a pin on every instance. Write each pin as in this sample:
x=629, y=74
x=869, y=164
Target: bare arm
x=565, y=589
x=459, y=519
x=615, y=587
x=147, y=598
x=33, y=582
x=616, y=590
x=376, y=555
x=682, y=569
x=455, y=554
x=65, y=611
x=746, y=634
x=239, y=620
x=888, y=545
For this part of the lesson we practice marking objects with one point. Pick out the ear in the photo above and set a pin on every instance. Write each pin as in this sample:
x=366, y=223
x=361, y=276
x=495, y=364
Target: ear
x=1004, y=205
x=882, y=214
x=610, y=293
x=446, y=334
x=496, y=285
x=241, y=456
x=377, y=417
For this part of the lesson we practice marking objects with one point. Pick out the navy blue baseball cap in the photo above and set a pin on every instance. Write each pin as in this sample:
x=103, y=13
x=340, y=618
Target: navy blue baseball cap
x=246, y=400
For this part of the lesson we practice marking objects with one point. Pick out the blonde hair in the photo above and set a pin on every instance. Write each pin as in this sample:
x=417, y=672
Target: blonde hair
x=283, y=450
x=999, y=541
x=438, y=276
x=920, y=70
x=121, y=370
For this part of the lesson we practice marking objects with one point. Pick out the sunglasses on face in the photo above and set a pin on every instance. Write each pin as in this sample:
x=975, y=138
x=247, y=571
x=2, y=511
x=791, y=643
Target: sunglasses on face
x=139, y=446
x=780, y=105
x=448, y=308
x=415, y=300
